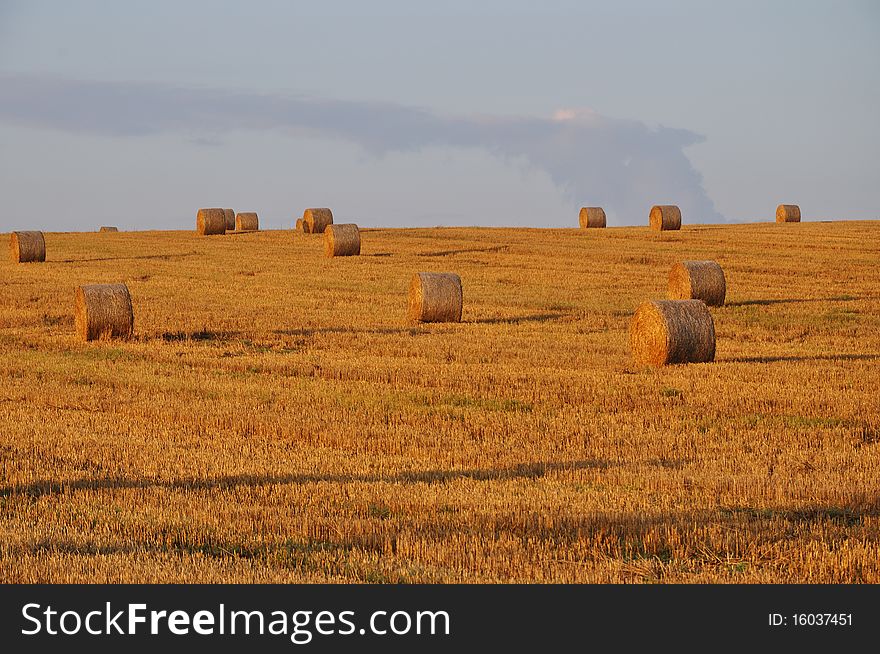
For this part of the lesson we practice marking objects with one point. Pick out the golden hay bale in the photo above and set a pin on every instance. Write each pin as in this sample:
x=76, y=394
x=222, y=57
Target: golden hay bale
x=25, y=247
x=342, y=240
x=435, y=297
x=592, y=217
x=664, y=217
x=211, y=221
x=229, y=215
x=698, y=280
x=247, y=222
x=788, y=213
x=104, y=311
x=316, y=220
x=106, y=228
x=672, y=331
x=300, y=225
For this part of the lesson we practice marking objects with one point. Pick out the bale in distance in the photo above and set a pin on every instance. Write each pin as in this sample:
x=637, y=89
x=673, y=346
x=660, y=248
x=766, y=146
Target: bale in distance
x=108, y=228
x=211, y=221
x=301, y=226
x=435, y=297
x=342, y=240
x=104, y=311
x=665, y=217
x=592, y=217
x=672, y=331
x=247, y=222
x=316, y=220
x=788, y=213
x=698, y=280
x=229, y=215
x=25, y=247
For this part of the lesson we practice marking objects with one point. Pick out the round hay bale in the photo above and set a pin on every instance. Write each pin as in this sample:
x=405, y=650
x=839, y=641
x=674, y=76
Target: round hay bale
x=698, y=280
x=342, y=240
x=104, y=311
x=316, y=220
x=247, y=222
x=211, y=221
x=300, y=225
x=25, y=247
x=592, y=217
x=665, y=217
x=435, y=297
x=672, y=331
x=788, y=213
x=229, y=215
x=106, y=228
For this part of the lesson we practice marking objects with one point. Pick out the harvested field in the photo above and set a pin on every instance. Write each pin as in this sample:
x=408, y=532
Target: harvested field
x=305, y=430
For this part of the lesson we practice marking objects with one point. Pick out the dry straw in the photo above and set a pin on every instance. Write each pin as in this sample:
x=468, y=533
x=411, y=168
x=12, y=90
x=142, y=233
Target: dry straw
x=229, y=216
x=435, y=297
x=25, y=247
x=107, y=228
x=342, y=240
x=211, y=221
x=316, y=220
x=788, y=213
x=665, y=217
x=247, y=222
x=698, y=280
x=592, y=217
x=104, y=311
x=672, y=331
x=301, y=226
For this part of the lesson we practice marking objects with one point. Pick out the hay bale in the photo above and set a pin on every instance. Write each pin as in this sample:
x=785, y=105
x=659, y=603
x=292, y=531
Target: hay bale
x=342, y=240
x=104, y=311
x=25, y=247
x=229, y=215
x=106, y=228
x=316, y=220
x=300, y=225
x=247, y=222
x=435, y=297
x=592, y=217
x=788, y=213
x=211, y=221
x=665, y=217
x=698, y=280
x=672, y=331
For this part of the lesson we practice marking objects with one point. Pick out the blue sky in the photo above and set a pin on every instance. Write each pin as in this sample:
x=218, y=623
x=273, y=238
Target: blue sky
x=403, y=113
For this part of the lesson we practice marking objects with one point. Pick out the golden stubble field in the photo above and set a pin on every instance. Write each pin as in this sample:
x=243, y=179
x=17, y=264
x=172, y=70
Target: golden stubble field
x=276, y=419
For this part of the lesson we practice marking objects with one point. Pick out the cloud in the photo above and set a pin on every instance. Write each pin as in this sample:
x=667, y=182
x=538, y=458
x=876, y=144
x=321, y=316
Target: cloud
x=565, y=114
x=623, y=165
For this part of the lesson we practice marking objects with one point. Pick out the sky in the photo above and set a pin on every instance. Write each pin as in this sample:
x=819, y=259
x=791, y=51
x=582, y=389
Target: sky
x=420, y=114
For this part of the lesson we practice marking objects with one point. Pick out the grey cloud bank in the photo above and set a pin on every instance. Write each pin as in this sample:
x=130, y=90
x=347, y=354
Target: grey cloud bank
x=623, y=165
